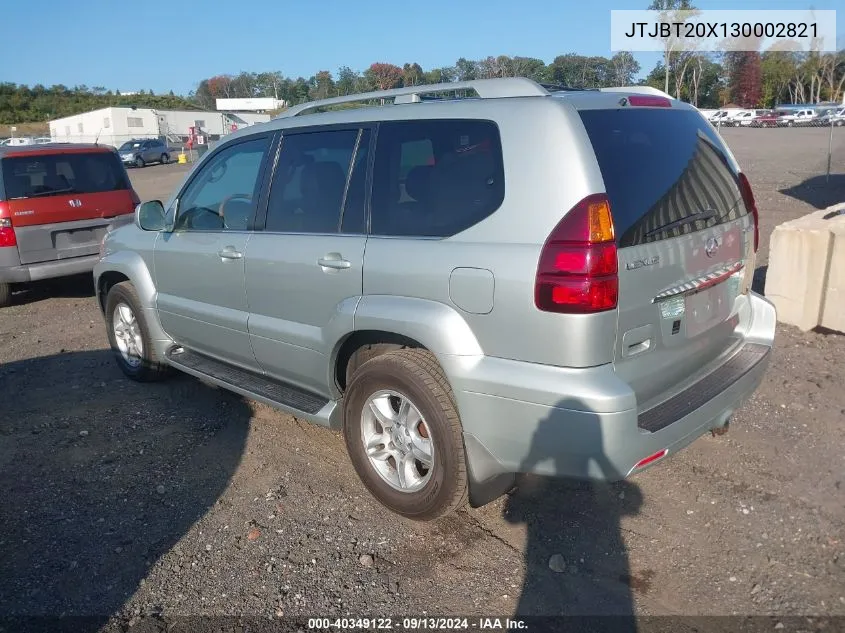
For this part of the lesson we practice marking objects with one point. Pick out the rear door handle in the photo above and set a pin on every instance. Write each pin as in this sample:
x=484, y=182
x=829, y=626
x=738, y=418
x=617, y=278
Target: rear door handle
x=334, y=261
x=230, y=253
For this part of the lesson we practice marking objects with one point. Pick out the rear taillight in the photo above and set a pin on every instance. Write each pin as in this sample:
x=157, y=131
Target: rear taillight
x=7, y=231
x=751, y=205
x=577, y=271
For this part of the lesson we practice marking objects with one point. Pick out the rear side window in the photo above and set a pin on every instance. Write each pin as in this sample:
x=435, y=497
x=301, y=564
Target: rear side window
x=662, y=170
x=63, y=174
x=435, y=178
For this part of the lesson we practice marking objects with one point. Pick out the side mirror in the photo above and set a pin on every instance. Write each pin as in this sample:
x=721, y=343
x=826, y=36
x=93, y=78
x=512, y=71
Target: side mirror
x=149, y=216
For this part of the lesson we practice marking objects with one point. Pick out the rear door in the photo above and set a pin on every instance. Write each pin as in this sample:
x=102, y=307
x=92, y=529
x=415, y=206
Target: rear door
x=684, y=237
x=62, y=203
x=304, y=269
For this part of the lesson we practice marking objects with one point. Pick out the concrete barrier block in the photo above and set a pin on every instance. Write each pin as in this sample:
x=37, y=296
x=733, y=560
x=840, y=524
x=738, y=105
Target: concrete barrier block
x=806, y=276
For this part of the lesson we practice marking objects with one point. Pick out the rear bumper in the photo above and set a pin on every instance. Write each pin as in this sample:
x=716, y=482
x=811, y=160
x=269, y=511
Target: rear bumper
x=48, y=270
x=584, y=423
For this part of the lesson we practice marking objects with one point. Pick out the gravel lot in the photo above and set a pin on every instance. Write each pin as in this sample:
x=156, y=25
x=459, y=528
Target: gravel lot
x=122, y=500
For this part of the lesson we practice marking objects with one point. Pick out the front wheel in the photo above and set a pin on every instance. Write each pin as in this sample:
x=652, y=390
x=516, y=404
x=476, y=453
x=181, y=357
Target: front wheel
x=404, y=436
x=165, y=159
x=129, y=335
x=139, y=162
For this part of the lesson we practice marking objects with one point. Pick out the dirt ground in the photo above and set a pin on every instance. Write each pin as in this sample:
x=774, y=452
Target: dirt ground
x=120, y=500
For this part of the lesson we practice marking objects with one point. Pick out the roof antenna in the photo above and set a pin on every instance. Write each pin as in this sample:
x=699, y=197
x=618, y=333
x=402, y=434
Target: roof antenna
x=98, y=137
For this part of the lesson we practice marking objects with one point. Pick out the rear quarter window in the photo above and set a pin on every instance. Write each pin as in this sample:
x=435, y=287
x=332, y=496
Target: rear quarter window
x=659, y=167
x=62, y=174
x=435, y=178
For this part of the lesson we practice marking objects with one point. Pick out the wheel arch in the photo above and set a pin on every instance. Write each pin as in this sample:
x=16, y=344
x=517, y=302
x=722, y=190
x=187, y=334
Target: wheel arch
x=397, y=322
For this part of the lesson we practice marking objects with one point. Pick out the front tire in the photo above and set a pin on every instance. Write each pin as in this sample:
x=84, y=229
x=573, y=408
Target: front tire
x=5, y=294
x=165, y=159
x=129, y=335
x=404, y=436
x=139, y=162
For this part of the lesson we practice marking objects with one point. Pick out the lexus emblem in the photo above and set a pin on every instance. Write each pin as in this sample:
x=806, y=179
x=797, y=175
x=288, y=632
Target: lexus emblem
x=75, y=203
x=711, y=247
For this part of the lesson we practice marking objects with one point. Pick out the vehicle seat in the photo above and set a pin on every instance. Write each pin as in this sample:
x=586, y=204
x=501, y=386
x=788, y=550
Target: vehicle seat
x=322, y=185
x=463, y=186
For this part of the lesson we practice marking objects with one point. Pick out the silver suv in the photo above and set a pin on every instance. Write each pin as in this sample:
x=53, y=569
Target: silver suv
x=523, y=282
x=140, y=152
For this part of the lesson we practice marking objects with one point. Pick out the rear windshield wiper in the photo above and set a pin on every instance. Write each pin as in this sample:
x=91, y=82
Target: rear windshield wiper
x=52, y=192
x=701, y=216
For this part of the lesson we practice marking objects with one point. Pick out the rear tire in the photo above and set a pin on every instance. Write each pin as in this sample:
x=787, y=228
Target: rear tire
x=412, y=381
x=129, y=335
x=165, y=159
x=5, y=294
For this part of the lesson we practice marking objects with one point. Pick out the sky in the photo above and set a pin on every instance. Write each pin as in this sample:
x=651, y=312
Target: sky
x=171, y=45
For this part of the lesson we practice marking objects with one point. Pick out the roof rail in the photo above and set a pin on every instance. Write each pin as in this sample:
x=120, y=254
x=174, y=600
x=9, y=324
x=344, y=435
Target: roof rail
x=485, y=88
x=644, y=90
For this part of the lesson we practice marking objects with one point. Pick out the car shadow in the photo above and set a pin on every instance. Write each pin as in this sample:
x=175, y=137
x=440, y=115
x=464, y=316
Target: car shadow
x=73, y=287
x=819, y=191
x=100, y=477
x=575, y=556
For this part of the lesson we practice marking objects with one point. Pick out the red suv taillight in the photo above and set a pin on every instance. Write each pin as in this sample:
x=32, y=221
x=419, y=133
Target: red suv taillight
x=7, y=231
x=751, y=205
x=577, y=272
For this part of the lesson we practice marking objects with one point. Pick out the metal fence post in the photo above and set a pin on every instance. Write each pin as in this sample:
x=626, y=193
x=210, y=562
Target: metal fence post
x=829, y=150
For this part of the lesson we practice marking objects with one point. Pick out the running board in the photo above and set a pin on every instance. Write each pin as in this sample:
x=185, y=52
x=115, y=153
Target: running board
x=275, y=393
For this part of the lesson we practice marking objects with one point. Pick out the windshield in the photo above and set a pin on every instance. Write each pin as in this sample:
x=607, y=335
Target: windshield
x=129, y=145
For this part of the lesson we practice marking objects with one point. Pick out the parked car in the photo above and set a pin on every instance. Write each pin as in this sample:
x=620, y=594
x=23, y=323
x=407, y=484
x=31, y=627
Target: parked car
x=769, y=119
x=17, y=141
x=535, y=298
x=141, y=152
x=43, y=140
x=806, y=116
x=745, y=118
x=833, y=117
x=56, y=204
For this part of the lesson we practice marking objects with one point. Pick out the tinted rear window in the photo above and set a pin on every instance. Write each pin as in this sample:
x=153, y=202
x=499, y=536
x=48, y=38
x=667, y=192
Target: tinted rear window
x=660, y=167
x=435, y=178
x=62, y=174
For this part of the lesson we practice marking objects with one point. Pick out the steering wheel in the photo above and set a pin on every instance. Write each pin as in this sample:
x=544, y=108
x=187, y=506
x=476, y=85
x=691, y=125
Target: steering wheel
x=235, y=196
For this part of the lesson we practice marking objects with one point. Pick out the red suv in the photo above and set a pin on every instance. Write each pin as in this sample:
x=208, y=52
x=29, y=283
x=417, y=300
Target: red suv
x=57, y=202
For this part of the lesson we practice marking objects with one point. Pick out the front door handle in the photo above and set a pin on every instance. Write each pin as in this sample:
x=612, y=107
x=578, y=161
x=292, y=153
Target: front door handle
x=230, y=253
x=334, y=261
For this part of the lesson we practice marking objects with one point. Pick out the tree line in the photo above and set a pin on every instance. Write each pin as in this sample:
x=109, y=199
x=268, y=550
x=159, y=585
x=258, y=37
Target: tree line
x=24, y=104
x=707, y=80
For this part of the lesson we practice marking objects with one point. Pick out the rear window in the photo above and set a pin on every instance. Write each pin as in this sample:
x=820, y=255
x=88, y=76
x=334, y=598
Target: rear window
x=62, y=174
x=662, y=170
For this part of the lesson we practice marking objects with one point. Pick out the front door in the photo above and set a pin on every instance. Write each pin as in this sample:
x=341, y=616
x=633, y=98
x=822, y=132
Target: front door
x=304, y=270
x=199, y=266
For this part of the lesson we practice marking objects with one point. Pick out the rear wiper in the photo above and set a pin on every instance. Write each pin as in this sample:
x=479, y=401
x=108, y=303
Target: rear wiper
x=701, y=216
x=52, y=192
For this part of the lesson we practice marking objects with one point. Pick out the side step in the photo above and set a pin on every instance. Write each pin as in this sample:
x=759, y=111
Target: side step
x=241, y=380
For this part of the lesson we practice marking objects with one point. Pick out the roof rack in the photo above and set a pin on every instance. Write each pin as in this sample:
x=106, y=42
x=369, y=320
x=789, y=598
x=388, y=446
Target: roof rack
x=485, y=88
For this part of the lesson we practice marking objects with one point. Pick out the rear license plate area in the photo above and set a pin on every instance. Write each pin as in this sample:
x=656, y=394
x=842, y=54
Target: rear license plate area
x=707, y=308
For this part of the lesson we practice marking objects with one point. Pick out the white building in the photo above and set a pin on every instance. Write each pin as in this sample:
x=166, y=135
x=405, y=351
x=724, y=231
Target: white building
x=254, y=104
x=114, y=126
